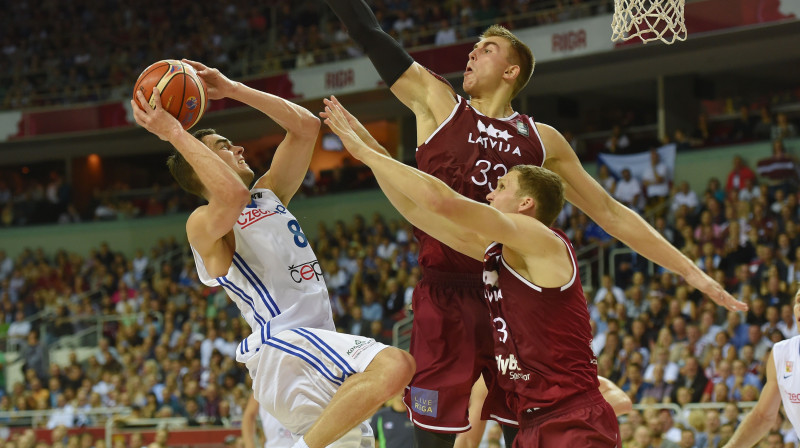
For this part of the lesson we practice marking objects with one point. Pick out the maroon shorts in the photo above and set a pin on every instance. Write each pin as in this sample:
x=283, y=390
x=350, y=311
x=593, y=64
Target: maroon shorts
x=451, y=341
x=583, y=420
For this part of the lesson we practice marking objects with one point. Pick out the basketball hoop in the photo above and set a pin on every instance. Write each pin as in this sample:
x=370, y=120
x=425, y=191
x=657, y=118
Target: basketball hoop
x=649, y=20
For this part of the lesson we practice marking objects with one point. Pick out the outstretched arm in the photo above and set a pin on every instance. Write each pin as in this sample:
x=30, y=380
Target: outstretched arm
x=290, y=163
x=434, y=198
x=623, y=223
x=763, y=415
x=429, y=98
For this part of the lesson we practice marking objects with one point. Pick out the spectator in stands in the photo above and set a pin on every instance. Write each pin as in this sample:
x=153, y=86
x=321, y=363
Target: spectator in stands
x=6, y=265
x=446, y=35
x=740, y=378
x=759, y=341
x=702, y=134
x=656, y=181
x=680, y=139
x=779, y=171
x=657, y=388
x=19, y=329
x=742, y=129
x=763, y=128
x=628, y=190
x=606, y=179
x=692, y=377
x=36, y=355
x=783, y=129
x=618, y=142
x=739, y=175
x=685, y=197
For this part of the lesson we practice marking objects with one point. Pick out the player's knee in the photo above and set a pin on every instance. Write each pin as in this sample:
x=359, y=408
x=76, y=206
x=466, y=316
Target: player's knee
x=397, y=366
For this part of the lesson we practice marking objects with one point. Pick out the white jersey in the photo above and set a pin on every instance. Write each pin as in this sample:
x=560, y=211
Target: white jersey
x=786, y=355
x=275, y=434
x=275, y=278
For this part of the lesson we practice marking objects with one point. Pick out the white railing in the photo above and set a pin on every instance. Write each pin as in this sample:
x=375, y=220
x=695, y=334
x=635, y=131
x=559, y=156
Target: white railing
x=34, y=418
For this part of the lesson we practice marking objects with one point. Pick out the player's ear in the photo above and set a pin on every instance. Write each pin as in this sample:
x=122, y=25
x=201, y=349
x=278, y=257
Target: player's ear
x=511, y=72
x=527, y=204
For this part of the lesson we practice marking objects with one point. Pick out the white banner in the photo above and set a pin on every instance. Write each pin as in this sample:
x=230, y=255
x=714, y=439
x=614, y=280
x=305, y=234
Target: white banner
x=638, y=162
x=569, y=39
x=336, y=78
x=9, y=124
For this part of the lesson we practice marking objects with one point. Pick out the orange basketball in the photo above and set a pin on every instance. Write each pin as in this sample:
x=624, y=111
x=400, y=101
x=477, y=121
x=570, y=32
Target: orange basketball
x=183, y=93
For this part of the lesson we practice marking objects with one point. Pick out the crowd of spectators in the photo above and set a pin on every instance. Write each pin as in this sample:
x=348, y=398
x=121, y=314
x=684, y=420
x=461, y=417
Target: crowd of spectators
x=752, y=122
x=46, y=62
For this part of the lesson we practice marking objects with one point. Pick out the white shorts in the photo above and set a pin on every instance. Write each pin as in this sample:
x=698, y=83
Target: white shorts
x=296, y=373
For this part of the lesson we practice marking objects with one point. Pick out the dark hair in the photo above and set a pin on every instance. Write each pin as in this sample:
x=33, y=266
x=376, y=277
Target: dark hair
x=182, y=171
x=545, y=187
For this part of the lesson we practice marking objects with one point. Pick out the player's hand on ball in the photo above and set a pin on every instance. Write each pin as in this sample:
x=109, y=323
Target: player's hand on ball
x=156, y=120
x=218, y=85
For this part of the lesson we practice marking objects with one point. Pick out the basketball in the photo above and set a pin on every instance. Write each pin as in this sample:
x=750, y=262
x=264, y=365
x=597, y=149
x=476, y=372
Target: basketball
x=183, y=93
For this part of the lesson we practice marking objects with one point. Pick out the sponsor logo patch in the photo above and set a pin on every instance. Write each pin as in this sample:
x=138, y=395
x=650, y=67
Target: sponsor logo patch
x=522, y=128
x=424, y=401
x=310, y=270
x=360, y=345
x=252, y=215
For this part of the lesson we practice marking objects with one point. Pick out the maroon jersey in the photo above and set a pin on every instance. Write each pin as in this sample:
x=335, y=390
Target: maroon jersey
x=542, y=338
x=469, y=152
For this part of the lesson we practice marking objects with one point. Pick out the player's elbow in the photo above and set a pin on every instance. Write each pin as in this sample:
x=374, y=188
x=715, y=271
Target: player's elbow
x=238, y=194
x=623, y=404
x=310, y=123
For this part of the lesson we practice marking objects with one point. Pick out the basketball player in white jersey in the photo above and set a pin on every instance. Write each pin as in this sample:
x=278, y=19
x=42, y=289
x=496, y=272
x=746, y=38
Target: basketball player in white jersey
x=275, y=435
x=783, y=384
x=319, y=384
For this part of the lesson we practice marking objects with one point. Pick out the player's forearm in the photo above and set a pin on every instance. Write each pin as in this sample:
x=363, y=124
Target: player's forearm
x=388, y=57
x=424, y=190
x=628, y=227
x=217, y=177
x=290, y=116
x=751, y=430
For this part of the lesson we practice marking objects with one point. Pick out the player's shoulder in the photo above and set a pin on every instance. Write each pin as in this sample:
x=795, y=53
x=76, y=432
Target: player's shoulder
x=441, y=79
x=546, y=131
x=782, y=345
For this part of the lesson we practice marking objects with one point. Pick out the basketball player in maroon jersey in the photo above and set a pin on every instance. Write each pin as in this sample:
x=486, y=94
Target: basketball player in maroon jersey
x=542, y=338
x=470, y=145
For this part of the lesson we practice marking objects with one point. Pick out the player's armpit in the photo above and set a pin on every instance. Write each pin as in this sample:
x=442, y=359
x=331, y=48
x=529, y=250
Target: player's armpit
x=428, y=95
x=205, y=230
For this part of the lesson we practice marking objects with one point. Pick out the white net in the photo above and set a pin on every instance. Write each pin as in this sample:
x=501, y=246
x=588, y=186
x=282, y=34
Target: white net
x=649, y=20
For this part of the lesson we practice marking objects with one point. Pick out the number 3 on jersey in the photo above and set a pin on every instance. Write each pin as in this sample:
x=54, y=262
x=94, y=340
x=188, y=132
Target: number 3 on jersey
x=299, y=237
x=486, y=167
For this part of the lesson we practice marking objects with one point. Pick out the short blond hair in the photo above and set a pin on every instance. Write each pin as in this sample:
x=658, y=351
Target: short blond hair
x=521, y=55
x=545, y=187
